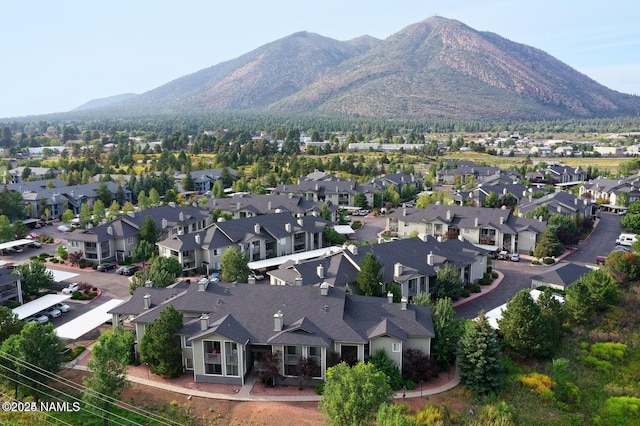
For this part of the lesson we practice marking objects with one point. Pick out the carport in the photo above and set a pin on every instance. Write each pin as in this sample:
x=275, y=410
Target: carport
x=277, y=261
x=39, y=305
x=16, y=243
x=88, y=321
x=59, y=276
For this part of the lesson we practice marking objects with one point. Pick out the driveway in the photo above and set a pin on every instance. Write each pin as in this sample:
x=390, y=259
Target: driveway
x=517, y=276
x=372, y=226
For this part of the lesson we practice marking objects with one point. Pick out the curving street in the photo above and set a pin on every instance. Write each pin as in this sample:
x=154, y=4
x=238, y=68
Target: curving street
x=517, y=276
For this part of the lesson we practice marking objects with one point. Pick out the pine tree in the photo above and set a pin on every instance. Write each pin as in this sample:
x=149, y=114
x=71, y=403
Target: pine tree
x=369, y=276
x=480, y=360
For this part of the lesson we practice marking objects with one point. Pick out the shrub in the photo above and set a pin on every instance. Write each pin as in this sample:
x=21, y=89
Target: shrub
x=410, y=384
x=494, y=275
x=356, y=224
x=465, y=293
x=473, y=288
x=319, y=388
x=548, y=261
x=620, y=410
x=536, y=262
x=539, y=383
x=609, y=351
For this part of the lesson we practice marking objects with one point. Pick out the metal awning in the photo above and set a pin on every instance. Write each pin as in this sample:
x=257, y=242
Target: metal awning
x=39, y=305
x=59, y=276
x=344, y=229
x=88, y=321
x=9, y=244
x=275, y=261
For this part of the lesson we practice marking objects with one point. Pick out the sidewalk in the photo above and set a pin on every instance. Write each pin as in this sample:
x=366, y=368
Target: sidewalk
x=246, y=392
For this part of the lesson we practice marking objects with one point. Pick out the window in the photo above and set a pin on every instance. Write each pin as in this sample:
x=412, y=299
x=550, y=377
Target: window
x=187, y=342
x=75, y=244
x=231, y=358
x=212, y=357
x=291, y=357
x=129, y=240
x=283, y=241
x=396, y=347
x=188, y=363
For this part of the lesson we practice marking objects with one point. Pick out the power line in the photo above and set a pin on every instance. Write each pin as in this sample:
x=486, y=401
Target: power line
x=62, y=380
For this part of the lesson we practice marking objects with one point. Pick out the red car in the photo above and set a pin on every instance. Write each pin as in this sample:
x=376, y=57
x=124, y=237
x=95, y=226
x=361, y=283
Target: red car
x=600, y=260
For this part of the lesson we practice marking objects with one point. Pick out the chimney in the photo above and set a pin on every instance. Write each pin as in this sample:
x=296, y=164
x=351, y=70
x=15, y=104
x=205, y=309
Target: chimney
x=298, y=281
x=278, y=321
x=540, y=218
x=198, y=239
x=324, y=289
x=148, y=283
x=256, y=228
x=460, y=237
x=287, y=227
x=238, y=205
x=203, y=283
x=430, y=259
x=404, y=211
x=204, y=322
x=501, y=220
x=389, y=297
x=317, y=187
x=476, y=222
x=268, y=205
x=320, y=271
x=504, y=191
x=164, y=223
x=448, y=214
x=353, y=249
x=575, y=201
x=110, y=230
x=147, y=301
x=181, y=217
x=559, y=209
x=530, y=198
x=397, y=269
x=300, y=222
x=403, y=304
x=172, y=204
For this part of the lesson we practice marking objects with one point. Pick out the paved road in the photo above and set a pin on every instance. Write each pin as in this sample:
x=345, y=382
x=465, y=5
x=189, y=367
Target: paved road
x=372, y=226
x=517, y=276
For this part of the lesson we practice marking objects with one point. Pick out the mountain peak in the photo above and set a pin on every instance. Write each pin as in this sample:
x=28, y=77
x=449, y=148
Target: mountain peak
x=438, y=67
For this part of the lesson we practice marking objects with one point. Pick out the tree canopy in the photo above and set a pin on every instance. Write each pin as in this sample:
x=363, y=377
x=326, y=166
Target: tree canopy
x=352, y=395
x=369, y=276
x=160, y=346
x=234, y=266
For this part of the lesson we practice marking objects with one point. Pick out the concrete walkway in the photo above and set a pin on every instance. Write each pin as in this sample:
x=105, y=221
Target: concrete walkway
x=244, y=394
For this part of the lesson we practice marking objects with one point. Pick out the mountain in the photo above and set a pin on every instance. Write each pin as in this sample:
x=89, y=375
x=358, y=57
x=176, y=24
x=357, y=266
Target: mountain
x=98, y=103
x=435, y=68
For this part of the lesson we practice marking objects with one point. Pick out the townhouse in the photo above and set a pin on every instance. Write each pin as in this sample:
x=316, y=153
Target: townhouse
x=116, y=239
x=249, y=205
x=336, y=191
x=56, y=196
x=227, y=335
x=561, y=202
x=411, y=263
x=258, y=238
x=10, y=287
x=497, y=229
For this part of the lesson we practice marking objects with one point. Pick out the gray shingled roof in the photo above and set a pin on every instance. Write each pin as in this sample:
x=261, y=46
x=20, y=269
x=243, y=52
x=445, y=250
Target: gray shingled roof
x=308, y=316
x=563, y=274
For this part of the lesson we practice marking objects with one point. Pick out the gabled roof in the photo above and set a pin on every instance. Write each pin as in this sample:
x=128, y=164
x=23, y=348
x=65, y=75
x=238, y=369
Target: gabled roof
x=308, y=316
x=388, y=328
x=564, y=274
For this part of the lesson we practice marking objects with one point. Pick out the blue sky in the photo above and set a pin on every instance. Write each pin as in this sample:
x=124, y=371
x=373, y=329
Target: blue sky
x=58, y=55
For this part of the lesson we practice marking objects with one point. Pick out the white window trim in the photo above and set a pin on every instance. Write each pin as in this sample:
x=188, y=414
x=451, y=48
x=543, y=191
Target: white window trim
x=396, y=347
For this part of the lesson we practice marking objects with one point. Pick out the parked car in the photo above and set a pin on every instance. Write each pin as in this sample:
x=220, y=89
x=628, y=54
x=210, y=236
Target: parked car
x=39, y=317
x=600, y=260
x=127, y=270
x=62, y=307
x=71, y=288
x=106, y=266
x=35, y=244
x=52, y=312
x=621, y=248
x=503, y=255
x=64, y=228
x=515, y=257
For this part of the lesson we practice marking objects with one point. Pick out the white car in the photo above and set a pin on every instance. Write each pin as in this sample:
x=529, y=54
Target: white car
x=64, y=228
x=71, y=288
x=40, y=318
x=257, y=275
x=62, y=307
x=52, y=312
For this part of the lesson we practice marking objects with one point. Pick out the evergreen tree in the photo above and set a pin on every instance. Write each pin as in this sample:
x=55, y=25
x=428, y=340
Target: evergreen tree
x=234, y=266
x=549, y=245
x=448, y=330
x=525, y=332
x=149, y=231
x=448, y=282
x=480, y=361
x=369, y=276
x=108, y=365
x=160, y=346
